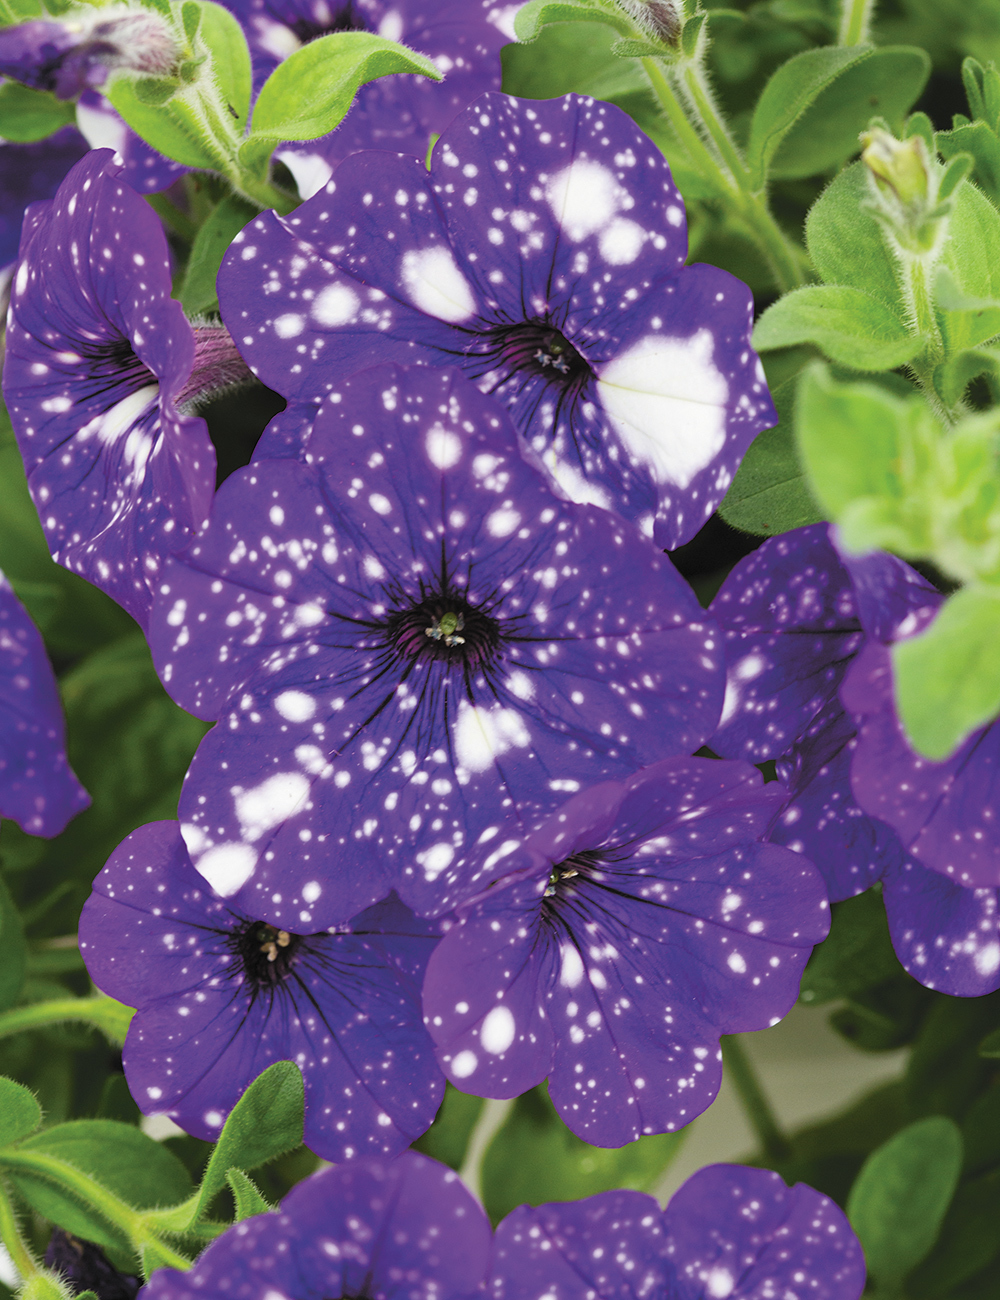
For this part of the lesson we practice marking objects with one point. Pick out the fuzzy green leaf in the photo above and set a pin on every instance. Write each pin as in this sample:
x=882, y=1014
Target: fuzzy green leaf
x=266, y=1122
x=848, y=326
x=536, y=14
x=223, y=37
x=972, y=258
x=901, y=1195
x=14, y=949
x=792, y=89
x=20, y=1113
x=246, y=1195
x=309, y=93
x=948, y=679
x=172, y=136
x=845, y=241
x=886, y=83
x=977, y=139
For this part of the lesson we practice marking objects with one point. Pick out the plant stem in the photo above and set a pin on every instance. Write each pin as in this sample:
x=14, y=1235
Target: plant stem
x=490, y=1121
x=756, y=1106
x=855, y=22
x=131, y=1221
x=171, y=215
x=725, y=168
x=10, y=1235
x=103, y=1013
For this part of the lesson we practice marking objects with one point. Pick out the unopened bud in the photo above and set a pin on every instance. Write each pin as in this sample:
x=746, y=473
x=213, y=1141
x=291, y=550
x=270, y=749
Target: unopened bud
x=660, y=20
x=79, y=51
x=900, y=167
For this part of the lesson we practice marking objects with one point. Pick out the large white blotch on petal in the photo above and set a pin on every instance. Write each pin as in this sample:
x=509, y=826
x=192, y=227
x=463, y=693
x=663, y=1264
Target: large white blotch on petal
x=335, y=305
x=483, y=735
x=583, y=197
x=269, y=804
x=666, y=400
x=121, y=418
x=310, y=170
x=436, y=285
x=498, y=1031
x=227, y=867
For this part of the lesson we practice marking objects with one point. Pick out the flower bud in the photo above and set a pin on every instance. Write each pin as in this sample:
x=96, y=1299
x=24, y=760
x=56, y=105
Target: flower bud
x=898, y=166
x=80, y=51
x=660, y=20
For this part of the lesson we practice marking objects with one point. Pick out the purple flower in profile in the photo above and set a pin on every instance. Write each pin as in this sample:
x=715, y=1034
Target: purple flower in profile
x=38, y=789
x=405, y=1229
x=220, y=996
x=544, y=255
x=643, y=920
x=409, y=642
x=401, y=114
x=78, y=52
x=728, y=1232
x=28, y=173
x=794, y=614
x=98, y=359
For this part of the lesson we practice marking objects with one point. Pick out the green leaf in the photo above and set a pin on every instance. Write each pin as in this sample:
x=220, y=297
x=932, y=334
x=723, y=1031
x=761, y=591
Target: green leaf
x=848, y=437
x=954, y=375
x=990, y=1046
x=535, y=1158
x=14, y=949
x=143, y=1173
x=947, y=679
x=769, y=493
x=19, y=11
x=901, y=1195
x=20, y=1113
x=536, y=14
x=246, y=1195
x=171, y=135
x=28, y=115
x=849, y=327
x=223, y=37
x=968, y=1240
x=792, y=89
x=266, y=1122
x=977, y=139
x=972, y=256
x=152, y=1258
x=887, y=84
x=198, y=292
x=309, y=93
x=856, y=955
x=845, y=241
x=945, y=1072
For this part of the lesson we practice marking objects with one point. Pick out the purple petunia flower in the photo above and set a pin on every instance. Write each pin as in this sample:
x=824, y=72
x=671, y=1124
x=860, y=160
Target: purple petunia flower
x=803, y=623
x=31, y=172
x=794, y=614
x=728, y=1232
x=98, y=359
x=219, y=996
x=77, y=52
x=38, y=789
x=643, y=920
x=403, y=114
x=405, y=1229
x=544, y=255
x=410, y=641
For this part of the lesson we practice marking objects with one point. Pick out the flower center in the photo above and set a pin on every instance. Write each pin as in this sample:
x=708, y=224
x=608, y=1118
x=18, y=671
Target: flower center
x=266, y=952
x=445, y=628
x=578, y=864
x=535, y=347
x=342, y=19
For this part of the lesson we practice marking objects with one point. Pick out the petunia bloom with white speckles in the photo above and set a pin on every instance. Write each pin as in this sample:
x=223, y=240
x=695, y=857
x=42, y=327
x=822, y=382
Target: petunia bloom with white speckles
x=220, y=996
x=401, y=113
x=406, y=1229
x=38, y=789
x=643, y=920
x=544, y=254
x=801, y=622
x=730, y=1233
x=409, y=642
x=98, y=355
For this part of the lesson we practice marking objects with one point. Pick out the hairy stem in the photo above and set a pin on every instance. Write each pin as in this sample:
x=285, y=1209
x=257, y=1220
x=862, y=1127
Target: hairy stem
x=756, y=1106
x=855, y=22
x=10, y=1235
x=103, y=1013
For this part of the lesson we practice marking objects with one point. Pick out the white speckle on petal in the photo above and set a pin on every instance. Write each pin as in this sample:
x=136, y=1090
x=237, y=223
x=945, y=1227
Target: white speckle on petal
x=498, y=1031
